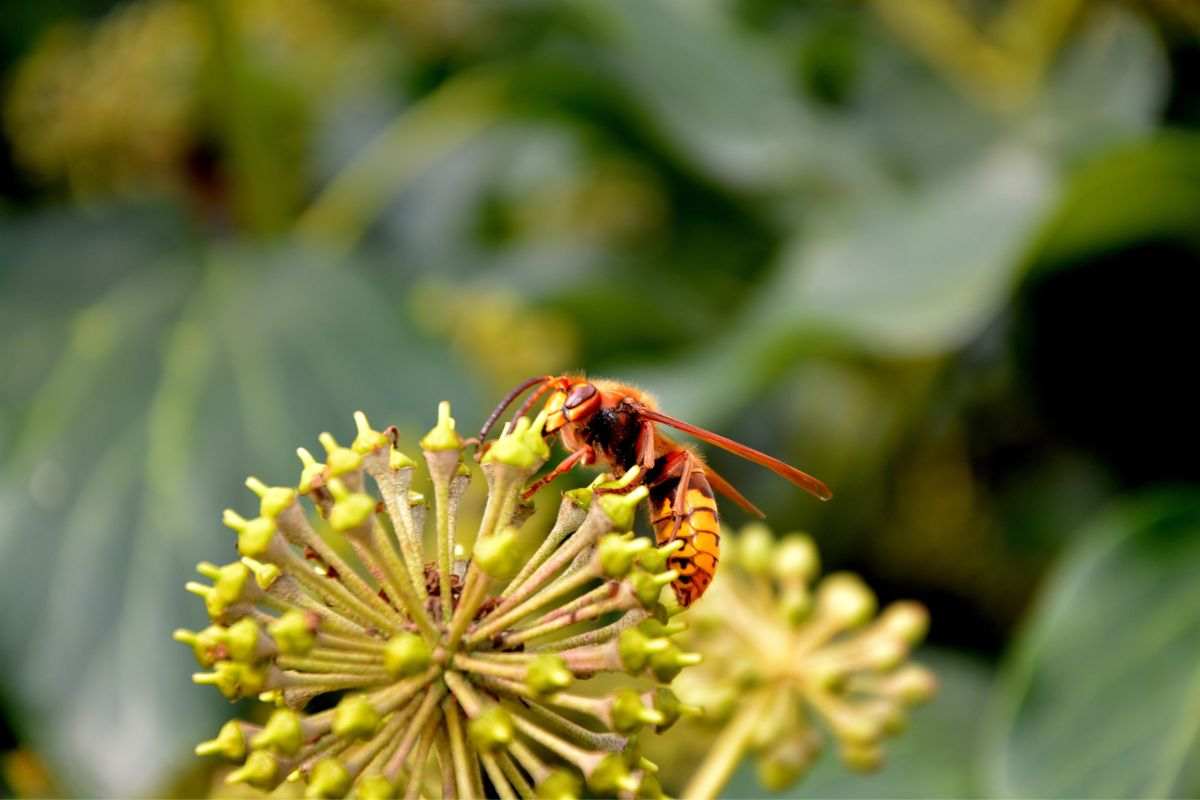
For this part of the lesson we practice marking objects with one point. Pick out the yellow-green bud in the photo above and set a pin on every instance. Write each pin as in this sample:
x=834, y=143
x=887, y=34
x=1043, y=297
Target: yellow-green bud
x=295, y=632
x=620, y=508
x=367, y=440
x=233, y=679
x=655, y=559
x=795, y=604
x=229, y=583
x=253, y=535
x=523, y=447
x=611, y=777
x=329, y=778
x=274, y=500
x=787, y=761
x=311, y=470
x=629, y=714
x=499, y=555
x=581, y=497
x=264, y=574
x=242, y=640
x=405, y=655
x=755, y=549
x=796, y=559
x=669, y=707
x=862, y=757
x=492, y=730
x=283, y=733
x=259, y=770
x=559, y=785
x=548, y=674
x=670, y=662
x=208, y=645
x=340, y=460
x=442, y=436
x=617, y=553
x=845, y=598
x=355, y=717
x=635, y=649
x=350, y=509
x=230, y=742
x=647, y=588
x=912, y=684
x=906, y=621
x=375, y=787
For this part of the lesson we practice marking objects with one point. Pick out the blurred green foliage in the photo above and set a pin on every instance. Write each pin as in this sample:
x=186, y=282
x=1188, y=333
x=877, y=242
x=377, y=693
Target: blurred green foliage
x=942, y=255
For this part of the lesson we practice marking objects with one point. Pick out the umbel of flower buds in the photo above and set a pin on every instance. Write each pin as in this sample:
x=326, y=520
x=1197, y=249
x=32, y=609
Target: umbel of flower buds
x=783, y=651
x=459, y=678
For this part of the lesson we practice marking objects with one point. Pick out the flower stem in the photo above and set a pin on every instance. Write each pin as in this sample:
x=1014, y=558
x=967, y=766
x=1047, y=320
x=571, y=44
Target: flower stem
x=728, y=749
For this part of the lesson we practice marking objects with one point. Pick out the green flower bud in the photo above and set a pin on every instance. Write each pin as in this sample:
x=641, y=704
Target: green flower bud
x=259, y=770
x=295, y=632
x=620, y=508
x=796, y=559
x=912, y=684
x=548, y=674
x=635, y=649
x=795, y=604
x=629, y=714
x=230, y=742
x=312, y=471
x=617, y=553
x=669, y=662
x=647, y=588
x=350, y=509
x=208, y=645
x=906, y=621
x=755, y=549
x=492, y=730
x=655, y=559
x=846, y=599
x=242, y=640
x=523, y=447
x=340, y=460
x=355, y=717
x=366, y=439
x=264, y=574
x=329, y=778
x=581, y=497
x=499, y=555
x=406, y=654
x=442, y=436
x=282, y=734
x=274, y=499
x=375, y=787
x=559, y=785
x=611, y=777
x=229, y=583
x=670, y=708
x=233, y=679
x=787, y=761
x=254, y=535
x=862, y=757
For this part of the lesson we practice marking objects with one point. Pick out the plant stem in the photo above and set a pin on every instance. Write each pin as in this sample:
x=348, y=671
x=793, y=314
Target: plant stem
x=728, y=749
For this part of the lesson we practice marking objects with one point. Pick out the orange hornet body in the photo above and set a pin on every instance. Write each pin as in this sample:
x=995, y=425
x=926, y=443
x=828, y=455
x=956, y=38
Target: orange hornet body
x=602, y=421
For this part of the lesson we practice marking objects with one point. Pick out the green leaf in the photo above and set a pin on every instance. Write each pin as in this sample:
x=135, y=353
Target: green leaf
x=1101, y=697
x=932, y=758
x=724, y=100
x=1143, y=190
x=907, y=276
x=173, y=385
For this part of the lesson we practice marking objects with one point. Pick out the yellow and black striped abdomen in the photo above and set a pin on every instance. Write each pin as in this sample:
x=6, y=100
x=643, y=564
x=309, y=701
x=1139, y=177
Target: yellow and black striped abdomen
x=696, y=524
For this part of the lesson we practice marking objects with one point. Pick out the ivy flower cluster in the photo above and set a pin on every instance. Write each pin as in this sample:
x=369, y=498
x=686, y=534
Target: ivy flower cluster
x=427, y=674
x=787, y=662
